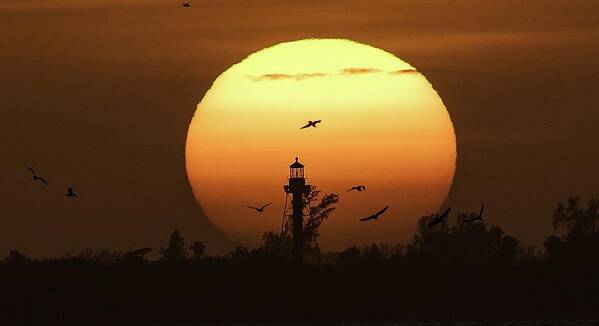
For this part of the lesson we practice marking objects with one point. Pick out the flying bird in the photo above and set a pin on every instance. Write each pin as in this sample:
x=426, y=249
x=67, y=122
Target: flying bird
x=71, y=193
x=358, y=188
x=479, y=217
x=439, y=218
x=375, y=216
x=311, y=124
x=259, y=209
x=186, y=4
x=36, y=177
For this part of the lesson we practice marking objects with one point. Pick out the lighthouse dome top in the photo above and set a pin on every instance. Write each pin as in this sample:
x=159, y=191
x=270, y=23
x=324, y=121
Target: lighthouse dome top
x=296, y=164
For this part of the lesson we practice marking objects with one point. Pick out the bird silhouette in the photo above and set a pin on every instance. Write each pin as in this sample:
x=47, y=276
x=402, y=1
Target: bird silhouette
x=186, y=4
x=439, y=218
x=479, y=217
x=71, y=192
x=311, y=124
x=375, y=216
x=259, y=209
x=358, y=188
x=36, y=177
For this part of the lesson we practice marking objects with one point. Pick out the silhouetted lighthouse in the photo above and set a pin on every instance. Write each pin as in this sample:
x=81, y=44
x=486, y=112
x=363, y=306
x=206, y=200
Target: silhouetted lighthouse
x=298, y=189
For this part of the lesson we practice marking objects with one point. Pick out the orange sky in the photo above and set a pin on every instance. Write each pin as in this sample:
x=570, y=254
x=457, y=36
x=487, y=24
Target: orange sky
x=100, y=97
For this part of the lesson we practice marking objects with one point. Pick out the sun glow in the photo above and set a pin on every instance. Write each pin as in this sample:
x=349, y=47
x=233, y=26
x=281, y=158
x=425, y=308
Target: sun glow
x=383, y=125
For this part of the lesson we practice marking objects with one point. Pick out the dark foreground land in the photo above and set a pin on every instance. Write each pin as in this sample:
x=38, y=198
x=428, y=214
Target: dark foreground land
x=448, y=323
x=466, y=272
x=226, y=291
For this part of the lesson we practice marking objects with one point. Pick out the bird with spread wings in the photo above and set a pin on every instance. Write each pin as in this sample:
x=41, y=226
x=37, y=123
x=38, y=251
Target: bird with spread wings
x=358, y=188
x=439, y=218
x=36, y=177
x=259, y=209
x=311, y=124
x=479, y=217
x=376, y=215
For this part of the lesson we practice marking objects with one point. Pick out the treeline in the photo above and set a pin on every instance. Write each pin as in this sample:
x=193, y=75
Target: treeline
x=464, y=271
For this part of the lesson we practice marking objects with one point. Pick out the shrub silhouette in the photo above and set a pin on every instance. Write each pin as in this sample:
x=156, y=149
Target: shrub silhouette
x=462, y=271
x=197, y=248
x=319, y=210
x=175, y=251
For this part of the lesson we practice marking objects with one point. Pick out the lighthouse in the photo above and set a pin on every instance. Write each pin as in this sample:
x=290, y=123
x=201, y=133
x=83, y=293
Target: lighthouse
x=298, y=190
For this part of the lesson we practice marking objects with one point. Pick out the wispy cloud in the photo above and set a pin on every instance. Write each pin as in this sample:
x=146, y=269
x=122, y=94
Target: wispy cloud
x=359, y=71
x=344, y=72
x=403, y=71
x=288, y=76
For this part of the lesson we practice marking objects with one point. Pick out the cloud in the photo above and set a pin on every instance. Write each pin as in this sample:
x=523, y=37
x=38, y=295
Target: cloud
x=360, y=71
x=288, y=76
x=271, y=77
x=344, y=72
x=403, y=71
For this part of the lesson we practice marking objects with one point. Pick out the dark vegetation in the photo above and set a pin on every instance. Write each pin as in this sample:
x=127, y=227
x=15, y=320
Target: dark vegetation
x=463, y=271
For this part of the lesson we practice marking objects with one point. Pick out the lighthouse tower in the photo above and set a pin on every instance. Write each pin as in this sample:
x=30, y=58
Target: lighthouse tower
x=298, y=189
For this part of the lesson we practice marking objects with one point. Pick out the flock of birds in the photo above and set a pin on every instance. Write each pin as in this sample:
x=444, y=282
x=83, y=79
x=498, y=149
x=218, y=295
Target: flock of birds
x=437, y=219
x=38, y=179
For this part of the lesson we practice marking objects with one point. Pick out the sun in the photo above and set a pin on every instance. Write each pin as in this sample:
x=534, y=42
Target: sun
x=383, y=126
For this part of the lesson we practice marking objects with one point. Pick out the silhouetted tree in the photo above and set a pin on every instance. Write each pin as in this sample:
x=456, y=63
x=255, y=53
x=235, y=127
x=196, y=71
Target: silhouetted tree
x=473, y=243
x=319, y=210
x=175, y=251
x=135, y=256
x=17, y=259
x=465, y=242
x=576, y=221
x=350, y=256
x=464, y=271
x=197, y=248
x=100, y=257
x=372, y=253
x=271, y=244
x=398, y=249
x=240, y=254
x=531, y=253
x=580, y=235
x=508, y=248
x=430, y=242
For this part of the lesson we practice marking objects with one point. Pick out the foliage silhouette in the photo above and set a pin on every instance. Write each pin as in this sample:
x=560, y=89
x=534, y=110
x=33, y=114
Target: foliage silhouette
x=579, y=243
x=319, y=209
x=197, y=248
x=461, y=271
x=175, y=251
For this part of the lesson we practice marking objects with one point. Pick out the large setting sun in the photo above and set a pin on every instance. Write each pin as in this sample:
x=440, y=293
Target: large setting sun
x=382, y=125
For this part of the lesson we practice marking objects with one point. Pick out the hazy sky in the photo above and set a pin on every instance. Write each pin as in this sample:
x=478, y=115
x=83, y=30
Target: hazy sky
x=99, y=96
